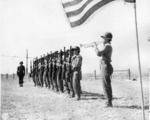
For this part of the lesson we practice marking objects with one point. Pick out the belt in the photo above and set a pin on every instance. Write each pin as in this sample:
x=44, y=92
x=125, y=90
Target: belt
x=104, y=61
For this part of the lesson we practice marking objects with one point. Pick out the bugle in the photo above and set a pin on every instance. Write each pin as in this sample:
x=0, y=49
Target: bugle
x=90, y=44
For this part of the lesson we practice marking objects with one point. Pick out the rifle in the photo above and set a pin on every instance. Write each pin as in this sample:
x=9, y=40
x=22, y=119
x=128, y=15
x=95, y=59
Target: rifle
x=51, y=68
x=31, y=70
x=64, y=63
x=70, y=56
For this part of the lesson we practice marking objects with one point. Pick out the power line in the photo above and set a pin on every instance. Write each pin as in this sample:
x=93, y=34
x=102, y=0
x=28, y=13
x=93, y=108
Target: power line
x=15, y=56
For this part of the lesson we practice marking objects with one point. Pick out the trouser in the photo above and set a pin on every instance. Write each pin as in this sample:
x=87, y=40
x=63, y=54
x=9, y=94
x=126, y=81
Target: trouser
x=55, y=81
x=60, y=81
x=76, y=83
x=41, y=78
x=21, y=79
x=50, y=79
x=106, y=72
x=70, y=83
x=65, y=83
x=34, y=80
x=45, y=79
x=37, y=79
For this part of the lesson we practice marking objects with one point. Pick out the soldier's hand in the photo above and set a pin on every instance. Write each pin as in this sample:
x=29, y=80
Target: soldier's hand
x=94, y=44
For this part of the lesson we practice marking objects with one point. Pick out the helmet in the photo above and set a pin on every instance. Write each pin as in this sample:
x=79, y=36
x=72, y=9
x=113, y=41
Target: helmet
x=107, y=35
x=76, y=48
x=21, y=62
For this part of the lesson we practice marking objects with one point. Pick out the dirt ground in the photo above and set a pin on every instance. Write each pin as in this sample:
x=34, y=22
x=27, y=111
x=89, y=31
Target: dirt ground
x=35, y=103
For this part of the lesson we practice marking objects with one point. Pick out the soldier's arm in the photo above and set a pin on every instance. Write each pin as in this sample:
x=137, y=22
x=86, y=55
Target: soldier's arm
x=104, y=50
x=17, y=70
x=77, y=63
x=23, y=70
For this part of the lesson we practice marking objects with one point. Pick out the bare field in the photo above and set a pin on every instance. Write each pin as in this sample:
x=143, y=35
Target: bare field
x=34, y=103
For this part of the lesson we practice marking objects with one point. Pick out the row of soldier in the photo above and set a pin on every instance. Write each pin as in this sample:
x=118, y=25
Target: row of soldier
x=59, y=71
x=62, y=69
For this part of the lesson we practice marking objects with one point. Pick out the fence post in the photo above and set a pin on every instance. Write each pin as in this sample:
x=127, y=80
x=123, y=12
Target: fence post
x=13, y=76
x=6, y=75
x=95, y=74
x=129, y=73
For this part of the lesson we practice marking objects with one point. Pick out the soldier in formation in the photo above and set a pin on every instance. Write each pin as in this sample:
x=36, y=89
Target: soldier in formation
x=59, y=71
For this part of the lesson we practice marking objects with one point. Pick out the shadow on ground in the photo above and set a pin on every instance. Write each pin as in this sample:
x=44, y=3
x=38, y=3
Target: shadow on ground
x=93, y=96
x=133, y=107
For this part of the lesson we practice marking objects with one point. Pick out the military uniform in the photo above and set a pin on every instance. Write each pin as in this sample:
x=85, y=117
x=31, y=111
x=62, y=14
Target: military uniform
x=59, y=75
x=45, y=74
x=64, y=76
x=39, y=74
x=54, y=75
x=76, y=72
x=21, y=73
x=50, y=74
x=106, y=70
x=33, y=74
x=106, y=67
x=69, y=78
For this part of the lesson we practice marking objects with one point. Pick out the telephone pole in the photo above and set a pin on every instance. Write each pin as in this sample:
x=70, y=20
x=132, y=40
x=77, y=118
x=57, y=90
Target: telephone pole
x=27, y=61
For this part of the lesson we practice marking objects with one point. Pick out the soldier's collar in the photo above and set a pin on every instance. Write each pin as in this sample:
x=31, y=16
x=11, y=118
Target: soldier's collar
x=107, y=44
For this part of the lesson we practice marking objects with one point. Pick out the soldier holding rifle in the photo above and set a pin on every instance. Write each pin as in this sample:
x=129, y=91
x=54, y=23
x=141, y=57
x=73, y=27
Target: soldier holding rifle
x=45, y=71
x=32, y=72
x=69, y=73
x=41, y=70
x=37, y=61
x=54, y=74
x=105, y=66
x=59, y=72
x=51, y=71
x=76, y=71
x=64, y=71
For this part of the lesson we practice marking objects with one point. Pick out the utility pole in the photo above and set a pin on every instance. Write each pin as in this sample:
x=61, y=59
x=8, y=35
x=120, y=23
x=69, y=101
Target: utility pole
x=27, y=61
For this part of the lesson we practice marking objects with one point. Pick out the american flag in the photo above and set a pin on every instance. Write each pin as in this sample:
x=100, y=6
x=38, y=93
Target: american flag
x=78, y=11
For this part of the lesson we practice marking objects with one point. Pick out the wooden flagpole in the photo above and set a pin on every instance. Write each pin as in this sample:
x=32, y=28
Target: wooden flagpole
x=138, y=51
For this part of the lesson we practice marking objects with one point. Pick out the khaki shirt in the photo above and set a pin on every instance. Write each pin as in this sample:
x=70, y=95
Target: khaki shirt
x=106, y=52
x=76, y=62
x=45, y=64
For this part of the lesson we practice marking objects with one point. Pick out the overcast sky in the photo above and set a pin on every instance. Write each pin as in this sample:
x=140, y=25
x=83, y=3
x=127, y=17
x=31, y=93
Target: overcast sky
x=41, y=26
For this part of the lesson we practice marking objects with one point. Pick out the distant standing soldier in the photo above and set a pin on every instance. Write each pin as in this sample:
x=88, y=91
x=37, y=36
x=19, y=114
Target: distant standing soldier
x=21, y=73
x=76, y=69
x=105, y=66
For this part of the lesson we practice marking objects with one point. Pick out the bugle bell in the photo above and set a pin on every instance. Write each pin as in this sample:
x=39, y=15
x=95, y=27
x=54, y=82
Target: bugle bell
x=90, y=44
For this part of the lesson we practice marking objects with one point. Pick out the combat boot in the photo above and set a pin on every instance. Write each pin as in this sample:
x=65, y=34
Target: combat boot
x=108, y=104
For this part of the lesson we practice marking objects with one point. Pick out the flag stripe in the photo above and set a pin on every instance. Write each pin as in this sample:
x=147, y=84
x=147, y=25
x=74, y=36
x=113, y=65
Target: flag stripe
x=89, y=12
x=130, y=1
x=92, y=6
x=78, y=11
x=75, y=7
x=71, y=3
